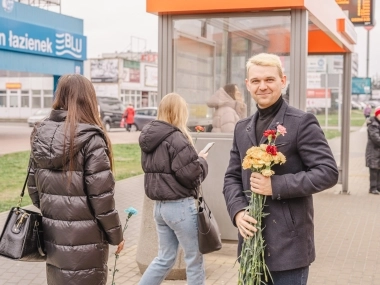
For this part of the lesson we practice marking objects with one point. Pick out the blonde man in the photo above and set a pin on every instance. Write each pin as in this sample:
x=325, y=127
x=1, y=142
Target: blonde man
x=309, y=169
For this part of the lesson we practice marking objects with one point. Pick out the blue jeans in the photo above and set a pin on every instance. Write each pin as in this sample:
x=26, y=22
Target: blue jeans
x=176, y=223
x=290, y=277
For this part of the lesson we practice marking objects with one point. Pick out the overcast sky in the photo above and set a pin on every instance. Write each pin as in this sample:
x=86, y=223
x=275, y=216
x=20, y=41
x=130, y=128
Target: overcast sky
x=119, y=25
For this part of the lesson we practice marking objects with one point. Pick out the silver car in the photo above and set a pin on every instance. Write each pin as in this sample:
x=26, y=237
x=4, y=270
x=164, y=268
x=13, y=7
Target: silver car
x=38, y=116
x=143, y=116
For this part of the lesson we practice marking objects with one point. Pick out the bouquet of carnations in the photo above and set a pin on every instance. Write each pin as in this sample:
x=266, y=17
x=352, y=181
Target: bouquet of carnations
x=253, y=269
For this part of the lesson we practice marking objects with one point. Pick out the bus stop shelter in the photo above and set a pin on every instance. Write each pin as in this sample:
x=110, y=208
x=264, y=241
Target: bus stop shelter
x=204, y=45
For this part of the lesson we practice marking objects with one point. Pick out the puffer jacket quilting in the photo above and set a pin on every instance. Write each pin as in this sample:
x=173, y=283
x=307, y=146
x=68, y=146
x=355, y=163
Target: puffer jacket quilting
x=79, y=216
x=171, y=165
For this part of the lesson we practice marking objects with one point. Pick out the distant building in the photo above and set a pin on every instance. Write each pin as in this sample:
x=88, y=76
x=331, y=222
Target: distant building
x=130, y=76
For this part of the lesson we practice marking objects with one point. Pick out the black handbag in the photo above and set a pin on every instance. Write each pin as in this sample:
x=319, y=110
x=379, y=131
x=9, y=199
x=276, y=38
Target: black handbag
x=22, y=235
x=209, y=239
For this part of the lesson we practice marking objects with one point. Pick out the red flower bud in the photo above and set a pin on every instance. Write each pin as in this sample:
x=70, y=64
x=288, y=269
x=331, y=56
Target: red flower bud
x=271, y=149
x=199, y=129
x=268, y=133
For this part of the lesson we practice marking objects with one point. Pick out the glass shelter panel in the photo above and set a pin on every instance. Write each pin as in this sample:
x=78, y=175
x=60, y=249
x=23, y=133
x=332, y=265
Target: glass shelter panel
x=211, y=52
x=324, y=97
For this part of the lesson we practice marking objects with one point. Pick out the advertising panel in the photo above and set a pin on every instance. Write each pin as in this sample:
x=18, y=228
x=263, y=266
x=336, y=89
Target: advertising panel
x=360, y=12
x=28, y=38
x=151, y=78
x=361, y=85
x=104, y=70
x=131, y=71
x=318, y=98
x=107, y=90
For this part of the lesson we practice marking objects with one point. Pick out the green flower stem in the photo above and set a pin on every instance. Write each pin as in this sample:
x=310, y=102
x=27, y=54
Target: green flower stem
x=253, y=270
x=117, y=255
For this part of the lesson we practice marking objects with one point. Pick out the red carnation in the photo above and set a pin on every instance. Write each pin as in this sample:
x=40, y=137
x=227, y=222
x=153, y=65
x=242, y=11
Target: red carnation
x=272, y=133
x=199, y=129
x=271, y=149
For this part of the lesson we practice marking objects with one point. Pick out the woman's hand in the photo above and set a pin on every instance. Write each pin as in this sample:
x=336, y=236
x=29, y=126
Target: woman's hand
x=203, y=154
x=120, y=247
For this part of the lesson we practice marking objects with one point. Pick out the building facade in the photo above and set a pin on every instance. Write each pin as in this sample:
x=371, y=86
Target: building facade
x=131, y=77
x=36, y=47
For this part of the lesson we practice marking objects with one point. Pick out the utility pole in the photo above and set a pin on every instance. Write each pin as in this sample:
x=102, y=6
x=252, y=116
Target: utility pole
x=368, y=28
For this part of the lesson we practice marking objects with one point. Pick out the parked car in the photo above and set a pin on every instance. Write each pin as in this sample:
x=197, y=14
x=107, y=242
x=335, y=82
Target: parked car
x=143, y=116
x=111, y=111
x=38, y=116
x=355, y=105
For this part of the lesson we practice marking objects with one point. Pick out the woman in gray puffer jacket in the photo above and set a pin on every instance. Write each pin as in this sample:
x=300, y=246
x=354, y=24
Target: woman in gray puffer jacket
x=173, y=172
x=72, y=183
x=372, y=152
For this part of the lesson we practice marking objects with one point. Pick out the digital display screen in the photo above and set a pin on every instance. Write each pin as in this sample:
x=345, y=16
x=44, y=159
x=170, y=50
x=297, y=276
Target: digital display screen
x=360, y=12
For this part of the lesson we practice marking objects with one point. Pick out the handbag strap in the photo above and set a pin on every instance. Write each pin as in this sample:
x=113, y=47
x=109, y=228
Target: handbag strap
x=23, y=188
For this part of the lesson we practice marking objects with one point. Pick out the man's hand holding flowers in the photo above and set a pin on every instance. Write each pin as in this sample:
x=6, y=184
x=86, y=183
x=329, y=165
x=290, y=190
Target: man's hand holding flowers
x=261, y=184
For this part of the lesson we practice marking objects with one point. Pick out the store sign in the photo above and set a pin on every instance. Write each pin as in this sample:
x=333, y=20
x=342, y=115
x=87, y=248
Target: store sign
x=12, y=85
x=359, y=12
x=24, y=37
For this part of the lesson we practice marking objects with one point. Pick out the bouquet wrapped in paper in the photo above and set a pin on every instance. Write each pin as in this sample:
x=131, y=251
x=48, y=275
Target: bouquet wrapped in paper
x=253, y=269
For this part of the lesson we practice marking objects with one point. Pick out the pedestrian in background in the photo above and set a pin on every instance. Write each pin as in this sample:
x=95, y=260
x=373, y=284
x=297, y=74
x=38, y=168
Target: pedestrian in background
x=372, y=152
x=71, y=181
x=367, y=111
x=173, y=173
x=309, y=169
x=229, y=108
x=129, y=117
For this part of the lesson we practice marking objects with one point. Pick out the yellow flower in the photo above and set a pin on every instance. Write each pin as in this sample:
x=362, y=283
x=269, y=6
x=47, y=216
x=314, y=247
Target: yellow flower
x=267, y=172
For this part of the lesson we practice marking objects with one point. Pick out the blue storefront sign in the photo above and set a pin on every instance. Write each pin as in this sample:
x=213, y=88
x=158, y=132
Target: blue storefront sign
x=361, y=85
x=19, y=36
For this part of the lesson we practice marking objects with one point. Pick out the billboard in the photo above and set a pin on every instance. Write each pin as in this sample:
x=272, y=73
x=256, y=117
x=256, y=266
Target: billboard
x=360, y=12
x=151, y=76
x=361, y=85
x=104, y=70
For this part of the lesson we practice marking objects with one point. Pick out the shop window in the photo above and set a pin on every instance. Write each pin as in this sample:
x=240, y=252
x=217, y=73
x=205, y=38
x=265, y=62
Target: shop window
x=13, y=101
x=3, y=100
x=36, y=102
x=24, y=101
x=36, y=92
x=48, y=101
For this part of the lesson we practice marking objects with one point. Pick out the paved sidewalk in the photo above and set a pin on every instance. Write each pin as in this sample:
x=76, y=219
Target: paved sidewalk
x=347, y=235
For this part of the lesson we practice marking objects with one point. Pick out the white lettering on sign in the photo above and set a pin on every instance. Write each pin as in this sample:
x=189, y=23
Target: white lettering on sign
x=26, y=43
x=68, y=44
x=3, y=39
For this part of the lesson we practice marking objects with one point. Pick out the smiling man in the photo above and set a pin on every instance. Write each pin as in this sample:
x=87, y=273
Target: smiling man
x=310, y=168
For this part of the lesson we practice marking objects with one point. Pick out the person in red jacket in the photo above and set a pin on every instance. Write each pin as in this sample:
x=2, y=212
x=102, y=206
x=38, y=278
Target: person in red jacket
x=129, y=117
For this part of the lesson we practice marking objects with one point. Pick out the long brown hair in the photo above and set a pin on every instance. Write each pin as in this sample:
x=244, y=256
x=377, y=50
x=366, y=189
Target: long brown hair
x=76, y=95
x=173, y=110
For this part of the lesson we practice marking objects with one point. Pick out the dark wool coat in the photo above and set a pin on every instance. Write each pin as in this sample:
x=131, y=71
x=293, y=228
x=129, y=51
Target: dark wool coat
x=372, y=152
x=171, y=164
x=79, y=217
x=309, y=169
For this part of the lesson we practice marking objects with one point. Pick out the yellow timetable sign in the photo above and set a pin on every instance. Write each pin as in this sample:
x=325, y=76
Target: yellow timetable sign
x=360, y=12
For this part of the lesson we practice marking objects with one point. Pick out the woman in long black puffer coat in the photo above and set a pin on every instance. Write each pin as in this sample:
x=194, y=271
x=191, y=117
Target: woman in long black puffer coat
x=372, y=152
x=72, y=183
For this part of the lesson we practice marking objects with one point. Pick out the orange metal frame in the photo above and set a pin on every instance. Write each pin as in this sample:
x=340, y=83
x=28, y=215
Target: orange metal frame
x=318, y=41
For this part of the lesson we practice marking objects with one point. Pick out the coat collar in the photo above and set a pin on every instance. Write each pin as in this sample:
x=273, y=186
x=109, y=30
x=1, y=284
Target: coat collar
x=277, y=120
